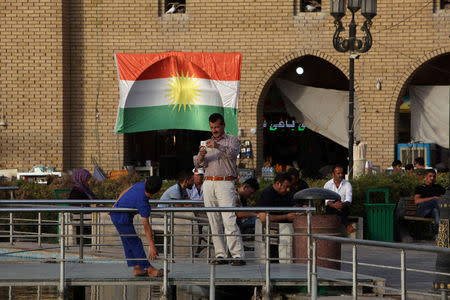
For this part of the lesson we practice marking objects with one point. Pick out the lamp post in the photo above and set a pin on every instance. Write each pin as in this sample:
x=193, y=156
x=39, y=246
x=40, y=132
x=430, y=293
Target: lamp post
x=354, y=45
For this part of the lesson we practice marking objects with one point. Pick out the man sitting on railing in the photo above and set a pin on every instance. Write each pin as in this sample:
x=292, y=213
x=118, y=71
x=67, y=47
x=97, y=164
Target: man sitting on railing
x=178, y=191
x=196, y=192
x=344, y=188
x=137, y=197
x=277, y=195
x=246, y=220
x=427, y=196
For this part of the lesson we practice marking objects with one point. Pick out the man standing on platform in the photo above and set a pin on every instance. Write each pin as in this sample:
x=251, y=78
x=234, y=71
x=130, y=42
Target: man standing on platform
x=344, y=188
x=218, y=159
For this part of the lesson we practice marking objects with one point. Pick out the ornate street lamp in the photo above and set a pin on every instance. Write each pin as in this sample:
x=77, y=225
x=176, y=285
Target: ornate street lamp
x=354, y=45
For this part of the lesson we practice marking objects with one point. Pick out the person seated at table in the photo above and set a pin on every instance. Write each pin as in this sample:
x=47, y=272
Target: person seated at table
x=427, y=196
x=277, y=195
x=80, y=191
x=80, y=186
x=178, y=191
x=297, y=184
x=344, y=188
x=137, y=197
x=419, y=163
x=196, y=192
x=397, y=166
x=409, y=169
x=246, y=219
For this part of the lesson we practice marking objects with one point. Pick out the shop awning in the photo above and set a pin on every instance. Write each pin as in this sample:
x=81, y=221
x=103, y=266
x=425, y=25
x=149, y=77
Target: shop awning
x=429, y=114
x=324, y=111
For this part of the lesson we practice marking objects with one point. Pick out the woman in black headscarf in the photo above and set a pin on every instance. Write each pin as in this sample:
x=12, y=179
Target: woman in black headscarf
x=80, y=189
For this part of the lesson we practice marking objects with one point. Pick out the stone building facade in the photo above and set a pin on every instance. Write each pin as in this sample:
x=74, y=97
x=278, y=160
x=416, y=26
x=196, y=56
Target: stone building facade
x=59, y=89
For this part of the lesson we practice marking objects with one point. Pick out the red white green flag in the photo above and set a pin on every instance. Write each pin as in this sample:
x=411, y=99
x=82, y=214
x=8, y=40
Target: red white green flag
x=177, y=90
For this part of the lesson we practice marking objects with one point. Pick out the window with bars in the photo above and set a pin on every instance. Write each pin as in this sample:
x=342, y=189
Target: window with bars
x=310, y=5
x=174, y=7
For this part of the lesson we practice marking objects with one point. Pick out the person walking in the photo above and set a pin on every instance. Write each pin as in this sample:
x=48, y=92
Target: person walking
x=218, y=159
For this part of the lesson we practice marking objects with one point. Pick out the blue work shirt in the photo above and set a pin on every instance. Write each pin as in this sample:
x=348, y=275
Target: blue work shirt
x=135, y=198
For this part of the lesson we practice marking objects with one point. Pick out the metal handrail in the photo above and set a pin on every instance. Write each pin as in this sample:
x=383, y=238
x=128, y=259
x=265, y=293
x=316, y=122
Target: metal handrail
x=74, y=209
x=413, y=247
x=81, y=201
x=312, y=272
x=166, y=212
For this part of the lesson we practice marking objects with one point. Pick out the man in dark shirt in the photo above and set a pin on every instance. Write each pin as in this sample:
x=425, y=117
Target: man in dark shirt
x=297, y=184
x=277, y=195
x=427, y=196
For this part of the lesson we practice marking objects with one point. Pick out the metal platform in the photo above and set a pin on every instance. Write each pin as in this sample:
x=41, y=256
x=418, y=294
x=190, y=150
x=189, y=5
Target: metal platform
x=88, y=274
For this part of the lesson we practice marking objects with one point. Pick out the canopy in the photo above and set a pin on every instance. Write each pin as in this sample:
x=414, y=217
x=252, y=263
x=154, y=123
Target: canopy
x=429, y=114
x=324, y=111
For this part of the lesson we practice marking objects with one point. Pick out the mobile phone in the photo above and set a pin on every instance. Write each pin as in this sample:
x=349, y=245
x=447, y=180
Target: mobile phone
x=203, y=145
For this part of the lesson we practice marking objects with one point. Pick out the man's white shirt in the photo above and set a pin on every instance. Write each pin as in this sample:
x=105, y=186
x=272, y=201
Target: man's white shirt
x=344, y=190
x=194, y=194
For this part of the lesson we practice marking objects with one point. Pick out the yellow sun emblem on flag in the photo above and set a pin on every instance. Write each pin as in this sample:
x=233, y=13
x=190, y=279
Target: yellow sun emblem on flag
x=183, y=91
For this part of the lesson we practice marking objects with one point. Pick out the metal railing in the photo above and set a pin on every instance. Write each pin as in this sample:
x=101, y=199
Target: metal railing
x=170, y=235
x=168, y=231
x=356, y=242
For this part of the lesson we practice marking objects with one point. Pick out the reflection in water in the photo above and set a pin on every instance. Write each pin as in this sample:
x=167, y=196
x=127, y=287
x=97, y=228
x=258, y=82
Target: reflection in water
x=29, y=292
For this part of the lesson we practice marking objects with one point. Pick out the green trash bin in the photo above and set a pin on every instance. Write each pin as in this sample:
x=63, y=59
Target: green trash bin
x=380, y=217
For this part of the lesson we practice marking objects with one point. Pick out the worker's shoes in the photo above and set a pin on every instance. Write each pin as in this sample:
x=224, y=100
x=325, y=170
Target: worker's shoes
x=219, y=261
x=238, y=262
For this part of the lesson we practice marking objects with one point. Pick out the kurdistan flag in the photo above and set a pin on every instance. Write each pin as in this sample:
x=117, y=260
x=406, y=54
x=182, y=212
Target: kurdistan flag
x=177, y=90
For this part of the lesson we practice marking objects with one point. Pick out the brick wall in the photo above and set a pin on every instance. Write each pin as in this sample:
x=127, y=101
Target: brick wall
x=57, y=66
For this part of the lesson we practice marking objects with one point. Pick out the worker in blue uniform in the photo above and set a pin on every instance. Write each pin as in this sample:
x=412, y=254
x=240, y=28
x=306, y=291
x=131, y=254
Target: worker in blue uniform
x=137, y=197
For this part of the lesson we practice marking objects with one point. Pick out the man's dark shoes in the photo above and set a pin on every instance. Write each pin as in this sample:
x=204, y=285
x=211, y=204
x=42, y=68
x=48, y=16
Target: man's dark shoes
x=238, y=262
x=219, y=261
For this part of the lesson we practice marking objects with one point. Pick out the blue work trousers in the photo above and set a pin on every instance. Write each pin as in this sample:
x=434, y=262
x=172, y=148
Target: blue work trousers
x=132, y=244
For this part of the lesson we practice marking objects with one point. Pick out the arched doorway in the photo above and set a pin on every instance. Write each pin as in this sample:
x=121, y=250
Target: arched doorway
x=299, y=145
x=432, y=75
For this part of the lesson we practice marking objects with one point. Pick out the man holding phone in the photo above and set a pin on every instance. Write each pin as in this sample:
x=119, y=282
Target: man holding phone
x=218, y=159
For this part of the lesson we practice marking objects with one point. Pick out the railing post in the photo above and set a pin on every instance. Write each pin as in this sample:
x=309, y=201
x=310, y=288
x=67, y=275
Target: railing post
x=268, y=287
x=192, y=242
x=80, y=251
x=308, y=246
x=208, y=242
x=165, y=285
x=403, y=274
x=39, y=229
x=62, y=234
x=171, y=237
x=212, y=282
x=11, y=228
x=10, y=293
x=355, y=273
x=314, y=271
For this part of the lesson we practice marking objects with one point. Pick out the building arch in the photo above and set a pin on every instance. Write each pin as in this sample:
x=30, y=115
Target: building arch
x=431, y=69
x=265, y=83
x=409, y=73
